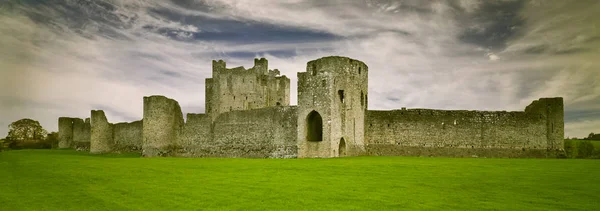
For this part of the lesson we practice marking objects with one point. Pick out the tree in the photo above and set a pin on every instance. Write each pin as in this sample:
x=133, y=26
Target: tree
x=2, y=141
x=593, y=136
x=590, y=136
x=52, y=140
x=25, y=132
x=585, y=149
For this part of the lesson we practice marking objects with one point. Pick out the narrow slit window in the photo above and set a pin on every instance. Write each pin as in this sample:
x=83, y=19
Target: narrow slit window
x=341, y=95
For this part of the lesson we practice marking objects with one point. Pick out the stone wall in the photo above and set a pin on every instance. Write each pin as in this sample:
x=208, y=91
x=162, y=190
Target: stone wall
x=101, y=136
x=259, y=133
x=81, y=134
x=552, y=110
x=162, y=124
x=430, y=132
x=128, y=136
x=196, y=136
x=65, y=132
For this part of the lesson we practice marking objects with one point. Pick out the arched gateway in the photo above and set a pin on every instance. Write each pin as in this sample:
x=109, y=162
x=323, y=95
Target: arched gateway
x=314, y=127
x=342, y=148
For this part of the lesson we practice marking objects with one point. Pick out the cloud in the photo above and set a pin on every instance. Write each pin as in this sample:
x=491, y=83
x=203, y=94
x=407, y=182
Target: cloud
x=64, y=58
x=581, y=129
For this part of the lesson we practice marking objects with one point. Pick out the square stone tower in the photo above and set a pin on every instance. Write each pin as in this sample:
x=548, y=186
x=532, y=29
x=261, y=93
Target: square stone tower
x=245, y=89
x=332, y=101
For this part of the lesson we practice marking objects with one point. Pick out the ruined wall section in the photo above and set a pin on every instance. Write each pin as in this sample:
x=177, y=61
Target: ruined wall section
x=73, y=133
x=259, y=133
x=162, y=124
x=127, y=136
x=552, y=110
x=336, y=89
x=427, y=132
x=101, y=136
x=196, y=136
x=278, y=90
x=81, y=134
x=65, y=132
x=244, y=89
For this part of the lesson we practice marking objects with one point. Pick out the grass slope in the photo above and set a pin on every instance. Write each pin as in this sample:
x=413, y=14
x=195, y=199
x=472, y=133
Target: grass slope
x=69, y=180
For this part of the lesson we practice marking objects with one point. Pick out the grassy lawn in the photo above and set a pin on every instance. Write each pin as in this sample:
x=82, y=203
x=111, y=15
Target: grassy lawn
x=69, y=180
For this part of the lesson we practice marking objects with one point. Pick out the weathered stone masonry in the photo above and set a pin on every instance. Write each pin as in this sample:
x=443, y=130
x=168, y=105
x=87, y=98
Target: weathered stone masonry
x=127, y=136
x=248, y=115
x=73, y=133
x=429, y=132
x=163, y=122
x=101, y=133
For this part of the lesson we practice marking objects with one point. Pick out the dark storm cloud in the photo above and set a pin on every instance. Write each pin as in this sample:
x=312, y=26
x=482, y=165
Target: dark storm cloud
x=493, y=24
x=539, y=49
x=193, y=5
x=252, y=54
x=78, y=16
x=545, y=49
x=237, y=31
x=578, y=115
x=109, y=110
x=393, y=99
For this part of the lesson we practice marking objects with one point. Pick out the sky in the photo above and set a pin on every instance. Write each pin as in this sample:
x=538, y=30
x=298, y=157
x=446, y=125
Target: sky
x=67, y=57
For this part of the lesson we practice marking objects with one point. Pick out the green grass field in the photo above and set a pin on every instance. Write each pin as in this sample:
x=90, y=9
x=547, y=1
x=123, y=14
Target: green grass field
x=69, y=180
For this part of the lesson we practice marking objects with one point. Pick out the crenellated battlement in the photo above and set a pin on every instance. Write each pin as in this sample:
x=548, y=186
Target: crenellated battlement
x=274, y=72
x=260, y=68
x=218, y=65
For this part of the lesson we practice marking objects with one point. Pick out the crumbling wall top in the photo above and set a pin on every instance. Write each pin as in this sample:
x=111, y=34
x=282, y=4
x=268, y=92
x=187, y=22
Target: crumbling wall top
x=338, y=64
x=260, y=66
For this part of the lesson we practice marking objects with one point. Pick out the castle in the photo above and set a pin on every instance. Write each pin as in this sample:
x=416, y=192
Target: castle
x=248, y=114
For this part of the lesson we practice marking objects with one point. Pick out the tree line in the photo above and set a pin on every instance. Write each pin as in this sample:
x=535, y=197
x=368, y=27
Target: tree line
x=28, y=134
x=593, y=136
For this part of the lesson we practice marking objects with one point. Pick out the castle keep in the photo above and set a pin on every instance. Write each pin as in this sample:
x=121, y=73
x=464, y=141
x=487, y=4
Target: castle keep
x=248, y=114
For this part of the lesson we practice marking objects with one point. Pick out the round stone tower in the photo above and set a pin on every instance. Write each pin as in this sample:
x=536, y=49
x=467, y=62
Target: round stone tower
x=162, y=123
x=332, y=101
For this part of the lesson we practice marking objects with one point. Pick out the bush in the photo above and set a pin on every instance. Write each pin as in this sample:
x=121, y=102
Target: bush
x=52, y=140
x=596, y=154
x=31, y=144
x=570, y=148
x=585, y=149
x=2, y=144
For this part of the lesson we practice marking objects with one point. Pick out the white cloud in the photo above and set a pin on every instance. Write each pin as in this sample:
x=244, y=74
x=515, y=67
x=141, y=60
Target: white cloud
x=493, y=57
x=581, y=129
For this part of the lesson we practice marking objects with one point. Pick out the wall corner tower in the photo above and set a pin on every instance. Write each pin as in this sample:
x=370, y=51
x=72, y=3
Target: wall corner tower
x=332, y=103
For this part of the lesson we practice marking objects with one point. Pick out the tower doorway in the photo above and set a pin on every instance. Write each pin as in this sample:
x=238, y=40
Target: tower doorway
x=342, y=148
x=314, y=127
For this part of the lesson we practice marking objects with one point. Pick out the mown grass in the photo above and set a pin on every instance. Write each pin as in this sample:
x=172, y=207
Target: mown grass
x=69, y=180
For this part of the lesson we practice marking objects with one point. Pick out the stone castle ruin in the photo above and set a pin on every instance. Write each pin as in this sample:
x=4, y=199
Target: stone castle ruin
x=248, y=114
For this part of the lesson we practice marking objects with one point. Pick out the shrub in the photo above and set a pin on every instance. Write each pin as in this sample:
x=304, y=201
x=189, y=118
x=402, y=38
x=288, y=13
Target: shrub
x=570, y=148
x=32, y=144
x=52, y=140
x=596, y=153
x=585, y=149
x=2, y=144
